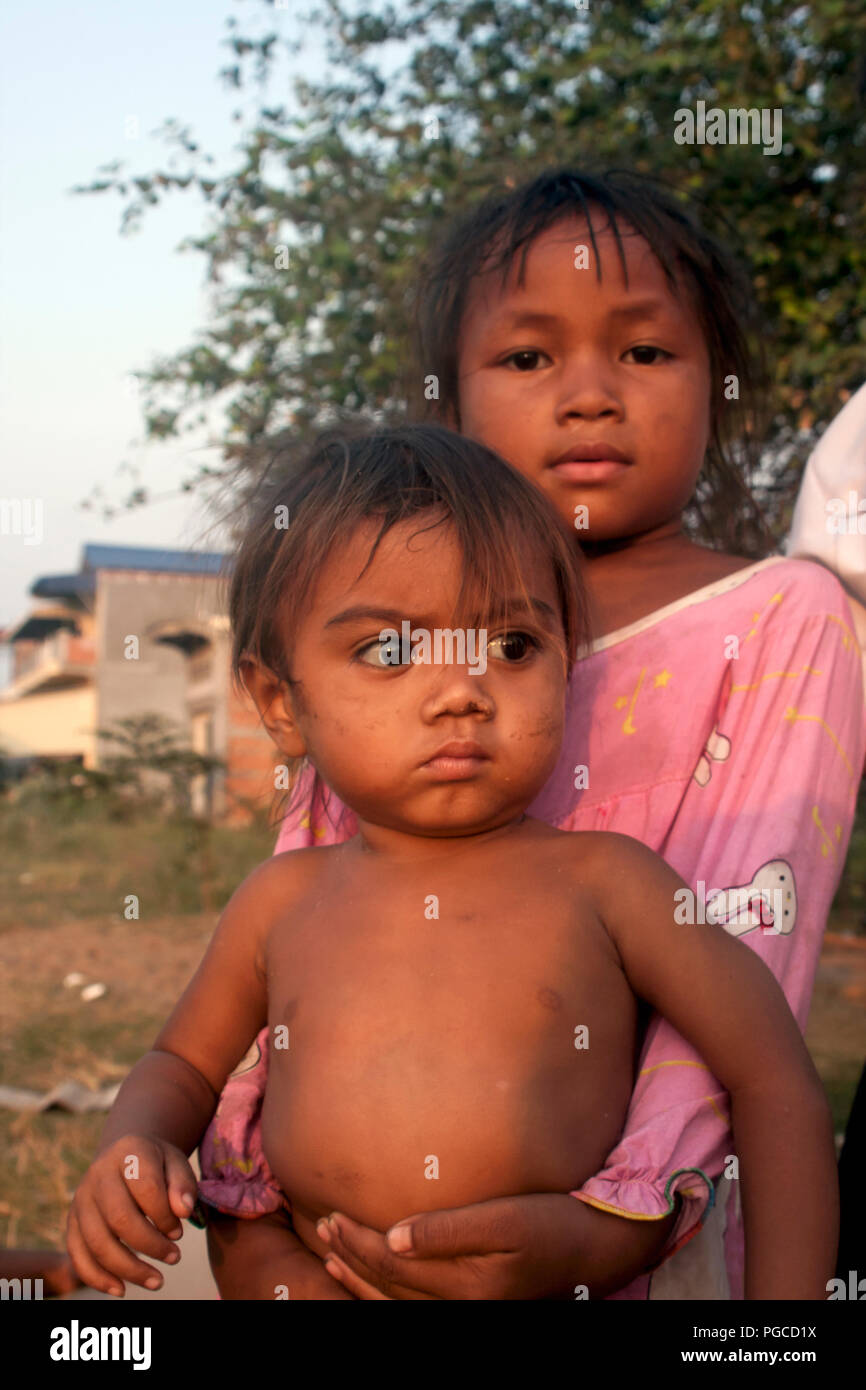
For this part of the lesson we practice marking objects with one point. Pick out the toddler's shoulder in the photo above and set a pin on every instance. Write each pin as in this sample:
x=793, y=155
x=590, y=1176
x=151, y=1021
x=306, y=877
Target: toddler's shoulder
x=276, y=881
x=603, y=858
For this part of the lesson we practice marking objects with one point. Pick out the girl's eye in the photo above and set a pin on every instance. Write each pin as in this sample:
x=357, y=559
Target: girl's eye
x=384, y=655
x=647, y=355
x=521, y=364
x=511, y=646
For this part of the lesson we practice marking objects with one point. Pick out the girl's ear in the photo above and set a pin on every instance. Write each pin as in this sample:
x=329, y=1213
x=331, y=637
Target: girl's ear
x=272, y=698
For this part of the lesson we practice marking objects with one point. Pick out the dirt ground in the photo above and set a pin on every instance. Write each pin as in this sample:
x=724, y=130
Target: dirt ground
x=49, y=1034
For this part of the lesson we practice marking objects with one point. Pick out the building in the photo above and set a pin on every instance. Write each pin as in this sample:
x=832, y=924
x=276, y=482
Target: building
x=136, y=631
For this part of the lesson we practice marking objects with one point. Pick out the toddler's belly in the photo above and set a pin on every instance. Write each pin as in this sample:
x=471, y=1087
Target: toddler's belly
x=406, y=1130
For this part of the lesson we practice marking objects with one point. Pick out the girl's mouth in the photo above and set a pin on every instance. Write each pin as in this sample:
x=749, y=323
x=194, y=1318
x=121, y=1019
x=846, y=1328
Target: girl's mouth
x=590, y=461
x=589, y=470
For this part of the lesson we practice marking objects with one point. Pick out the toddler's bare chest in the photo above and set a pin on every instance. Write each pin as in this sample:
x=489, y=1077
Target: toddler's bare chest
x=460, y=958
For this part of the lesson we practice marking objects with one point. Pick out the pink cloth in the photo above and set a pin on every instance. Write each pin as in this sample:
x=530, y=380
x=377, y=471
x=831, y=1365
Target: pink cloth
x=727, y=732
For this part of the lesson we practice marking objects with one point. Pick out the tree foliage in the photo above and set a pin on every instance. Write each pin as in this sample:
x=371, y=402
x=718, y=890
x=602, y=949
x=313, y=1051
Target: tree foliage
x=354, y=178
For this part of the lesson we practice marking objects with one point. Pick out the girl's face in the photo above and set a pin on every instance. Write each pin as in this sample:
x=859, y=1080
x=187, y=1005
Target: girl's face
x=600, y=394
x=372, y=728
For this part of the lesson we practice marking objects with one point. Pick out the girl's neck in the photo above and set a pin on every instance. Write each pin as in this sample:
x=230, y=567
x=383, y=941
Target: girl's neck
x=631, y=578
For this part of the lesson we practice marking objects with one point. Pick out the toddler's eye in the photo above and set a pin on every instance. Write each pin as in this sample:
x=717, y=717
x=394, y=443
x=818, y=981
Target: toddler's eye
x=511, y=646
x=648, y=355
x=384, y=655
x=519, y=359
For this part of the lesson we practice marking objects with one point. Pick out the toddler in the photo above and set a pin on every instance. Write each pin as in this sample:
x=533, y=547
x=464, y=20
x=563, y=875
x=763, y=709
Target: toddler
x=452, y=995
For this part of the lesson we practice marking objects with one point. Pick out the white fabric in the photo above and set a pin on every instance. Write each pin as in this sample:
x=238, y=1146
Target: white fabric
x=836, y=474
x=697, y=1271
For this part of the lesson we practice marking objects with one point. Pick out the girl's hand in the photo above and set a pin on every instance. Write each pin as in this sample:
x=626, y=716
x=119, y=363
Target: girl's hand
x=132, y=1195
x=511, y=1248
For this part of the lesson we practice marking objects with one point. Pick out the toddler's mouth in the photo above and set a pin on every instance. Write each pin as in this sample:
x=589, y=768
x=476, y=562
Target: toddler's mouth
x=458, y=759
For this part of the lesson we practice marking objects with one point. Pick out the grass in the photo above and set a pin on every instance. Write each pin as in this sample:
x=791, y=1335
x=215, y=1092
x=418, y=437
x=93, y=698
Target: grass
x=86, y=865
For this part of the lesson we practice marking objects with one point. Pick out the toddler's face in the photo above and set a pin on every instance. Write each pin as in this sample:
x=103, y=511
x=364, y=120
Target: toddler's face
x=374, y=729
x=552, y=369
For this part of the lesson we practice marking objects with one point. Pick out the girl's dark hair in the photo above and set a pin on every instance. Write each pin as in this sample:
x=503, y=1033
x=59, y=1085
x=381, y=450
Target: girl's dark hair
x=488, y=238
x=311, y=500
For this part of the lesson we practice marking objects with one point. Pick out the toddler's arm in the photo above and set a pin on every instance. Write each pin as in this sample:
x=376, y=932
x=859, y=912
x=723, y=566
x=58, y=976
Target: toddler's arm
x=721, y=996
x=163, y=1106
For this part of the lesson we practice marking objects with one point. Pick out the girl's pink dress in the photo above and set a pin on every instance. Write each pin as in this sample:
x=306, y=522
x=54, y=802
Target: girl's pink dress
x=727, y=732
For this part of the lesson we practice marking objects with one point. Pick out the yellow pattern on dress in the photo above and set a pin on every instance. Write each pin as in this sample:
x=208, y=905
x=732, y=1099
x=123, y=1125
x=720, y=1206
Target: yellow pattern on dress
x=756, y=617
x=306, y=825
x=777, y=676
x=794, y=717
x=847, y=635
x=661, y=679
x=702, y=1066
x=827, y=846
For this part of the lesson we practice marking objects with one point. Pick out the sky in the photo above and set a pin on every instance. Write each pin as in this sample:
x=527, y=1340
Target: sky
x=81, y=306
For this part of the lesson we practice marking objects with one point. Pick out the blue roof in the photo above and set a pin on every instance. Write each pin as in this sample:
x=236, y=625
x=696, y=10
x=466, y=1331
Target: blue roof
x=63, y=585
x=139, y=557
x=127, y=557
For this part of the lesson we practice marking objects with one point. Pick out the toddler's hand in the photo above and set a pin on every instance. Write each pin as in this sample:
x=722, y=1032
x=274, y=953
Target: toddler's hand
x=132, y=1195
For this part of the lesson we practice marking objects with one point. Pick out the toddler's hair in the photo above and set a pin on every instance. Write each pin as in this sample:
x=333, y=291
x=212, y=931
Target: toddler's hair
x=408, y=472
x=488, y=238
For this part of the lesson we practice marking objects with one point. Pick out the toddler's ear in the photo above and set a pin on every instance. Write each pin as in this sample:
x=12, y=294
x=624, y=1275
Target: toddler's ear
x=272, y=699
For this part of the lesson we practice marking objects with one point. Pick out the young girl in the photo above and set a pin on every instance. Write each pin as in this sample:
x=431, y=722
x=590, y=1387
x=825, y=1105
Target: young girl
x=720, y=710
x=450, y=994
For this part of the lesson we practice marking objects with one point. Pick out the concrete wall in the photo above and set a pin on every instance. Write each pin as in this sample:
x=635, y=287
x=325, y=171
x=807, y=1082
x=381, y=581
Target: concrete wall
x=58, y=723
x=130, y=603
x=194, y=691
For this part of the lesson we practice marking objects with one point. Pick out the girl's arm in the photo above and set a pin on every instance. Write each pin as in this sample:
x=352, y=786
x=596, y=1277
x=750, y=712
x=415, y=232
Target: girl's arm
x=270, y=1263
x=721, y=997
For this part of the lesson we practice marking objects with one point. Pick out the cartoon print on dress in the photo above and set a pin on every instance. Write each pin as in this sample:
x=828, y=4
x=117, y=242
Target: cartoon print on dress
x=769, y=902
x=718, y=749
